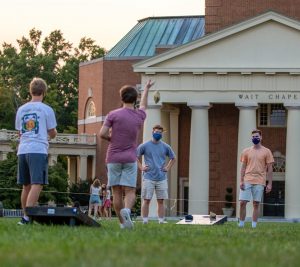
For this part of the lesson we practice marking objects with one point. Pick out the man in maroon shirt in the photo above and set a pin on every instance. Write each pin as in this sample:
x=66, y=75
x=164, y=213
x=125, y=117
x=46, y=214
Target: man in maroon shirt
x=121, y=128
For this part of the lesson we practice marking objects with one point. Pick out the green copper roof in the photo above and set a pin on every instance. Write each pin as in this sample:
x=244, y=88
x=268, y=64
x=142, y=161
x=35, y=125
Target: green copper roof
x=149, y=33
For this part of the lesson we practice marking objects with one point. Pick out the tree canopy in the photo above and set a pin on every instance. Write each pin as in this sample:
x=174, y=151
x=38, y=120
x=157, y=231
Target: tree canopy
x=56, y=61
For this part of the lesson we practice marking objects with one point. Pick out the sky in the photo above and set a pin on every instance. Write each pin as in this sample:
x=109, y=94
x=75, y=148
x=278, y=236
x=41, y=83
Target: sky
x=105, y=21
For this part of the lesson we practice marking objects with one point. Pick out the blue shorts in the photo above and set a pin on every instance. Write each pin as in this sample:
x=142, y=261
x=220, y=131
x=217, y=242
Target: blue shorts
x=95, y=199
x=32, y=168
x=123, y=174
x=254, y=190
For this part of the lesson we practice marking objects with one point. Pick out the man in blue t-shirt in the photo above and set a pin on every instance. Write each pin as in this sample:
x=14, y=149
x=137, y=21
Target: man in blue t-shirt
x=155, y=171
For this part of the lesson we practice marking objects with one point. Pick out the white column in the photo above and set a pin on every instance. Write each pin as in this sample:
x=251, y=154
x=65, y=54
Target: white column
x=153, y=117
x=83, y=167
x=199, y=159
x=3, y=155
x=72, y=162
x=52, y=159
x=292, y=181
x=93, y=167
x=173, y=175
x=247, y=123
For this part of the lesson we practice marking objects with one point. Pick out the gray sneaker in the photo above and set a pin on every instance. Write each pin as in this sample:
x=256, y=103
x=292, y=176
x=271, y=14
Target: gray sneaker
x=127, y=222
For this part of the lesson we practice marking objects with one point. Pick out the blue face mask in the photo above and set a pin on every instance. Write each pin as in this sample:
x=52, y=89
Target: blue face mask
x=255, y=140
x=157, y=136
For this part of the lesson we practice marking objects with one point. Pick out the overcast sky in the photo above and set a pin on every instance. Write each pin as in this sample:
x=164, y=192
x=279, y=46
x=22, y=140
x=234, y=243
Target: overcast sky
x=105, y=21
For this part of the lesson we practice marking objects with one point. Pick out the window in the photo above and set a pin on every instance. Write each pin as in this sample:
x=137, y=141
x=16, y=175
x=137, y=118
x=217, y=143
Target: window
x=272, y=115
x=91, y=109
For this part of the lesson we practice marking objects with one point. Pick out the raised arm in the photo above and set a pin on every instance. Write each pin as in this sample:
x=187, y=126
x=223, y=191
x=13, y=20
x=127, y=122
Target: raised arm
x=144, y=98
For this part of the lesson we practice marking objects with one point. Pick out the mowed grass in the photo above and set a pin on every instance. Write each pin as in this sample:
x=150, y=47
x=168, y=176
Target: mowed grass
x=270, y=244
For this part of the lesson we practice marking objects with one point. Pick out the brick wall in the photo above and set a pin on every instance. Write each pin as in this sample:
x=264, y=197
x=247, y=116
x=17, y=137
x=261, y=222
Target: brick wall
x=105, y=77
x=223, y=139
x=222, y=13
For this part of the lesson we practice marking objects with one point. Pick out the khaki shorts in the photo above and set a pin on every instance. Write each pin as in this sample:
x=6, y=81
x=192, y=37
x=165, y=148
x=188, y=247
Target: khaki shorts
x=160, y=187
x=252, y=190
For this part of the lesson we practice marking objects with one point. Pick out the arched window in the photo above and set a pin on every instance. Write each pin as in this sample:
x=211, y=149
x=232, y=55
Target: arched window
x=90, y=109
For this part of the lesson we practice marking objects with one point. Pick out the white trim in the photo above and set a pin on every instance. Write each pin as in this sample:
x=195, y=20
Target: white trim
x=91, y=120
x=222, y=71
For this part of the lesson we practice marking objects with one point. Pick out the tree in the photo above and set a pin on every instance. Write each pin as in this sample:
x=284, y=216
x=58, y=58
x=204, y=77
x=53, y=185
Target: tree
x=53, y=59
x=10, y=192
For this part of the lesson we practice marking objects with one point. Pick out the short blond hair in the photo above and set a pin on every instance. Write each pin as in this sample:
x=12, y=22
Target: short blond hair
x=38, y=87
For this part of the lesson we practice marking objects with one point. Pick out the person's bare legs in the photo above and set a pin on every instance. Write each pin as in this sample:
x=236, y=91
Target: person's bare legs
x=129, y=199
x=145, y=210
x=33, y=195
x=243, y=205
x=24, y=196
x=255, y=213
x=96, y=206
x=118, y=203
x=160, y=208
x=90, y=209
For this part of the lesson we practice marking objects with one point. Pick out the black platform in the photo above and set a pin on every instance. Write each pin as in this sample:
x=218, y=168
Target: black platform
x=71, y=216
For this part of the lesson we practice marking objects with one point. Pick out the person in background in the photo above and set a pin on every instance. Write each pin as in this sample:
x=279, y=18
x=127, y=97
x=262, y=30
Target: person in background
x=257, y=167
x=155, y=171
x=35, y=122
x=106, y=201
x=95, y=201
x=121, y=128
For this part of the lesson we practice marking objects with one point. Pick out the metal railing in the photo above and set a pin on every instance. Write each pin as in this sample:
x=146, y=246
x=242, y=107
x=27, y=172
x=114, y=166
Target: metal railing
x=84, y=139
x=12, y=213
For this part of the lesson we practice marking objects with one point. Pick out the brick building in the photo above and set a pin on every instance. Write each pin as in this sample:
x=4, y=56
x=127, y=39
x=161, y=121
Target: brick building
x=215, y=88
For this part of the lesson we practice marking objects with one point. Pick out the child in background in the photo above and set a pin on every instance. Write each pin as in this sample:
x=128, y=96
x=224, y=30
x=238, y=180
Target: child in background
x=95, y=200
x=106, y=201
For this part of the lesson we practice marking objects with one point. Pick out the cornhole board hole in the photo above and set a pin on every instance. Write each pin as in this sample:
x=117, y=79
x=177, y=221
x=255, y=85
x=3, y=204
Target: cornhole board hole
x=205, y=220
x=71, y=216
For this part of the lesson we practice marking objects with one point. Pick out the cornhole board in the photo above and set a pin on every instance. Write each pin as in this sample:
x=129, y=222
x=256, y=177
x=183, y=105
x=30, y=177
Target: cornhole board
x=205, y=220
x=71, y=216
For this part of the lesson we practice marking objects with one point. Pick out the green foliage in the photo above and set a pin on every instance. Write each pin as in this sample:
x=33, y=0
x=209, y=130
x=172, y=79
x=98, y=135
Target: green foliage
x=80, y=192
x=9, y=190
x=7, y=118
x=58, y=186
x=53, y=59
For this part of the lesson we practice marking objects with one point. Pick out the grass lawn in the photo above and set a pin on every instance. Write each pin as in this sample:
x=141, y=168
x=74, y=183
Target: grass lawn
x=270, y=244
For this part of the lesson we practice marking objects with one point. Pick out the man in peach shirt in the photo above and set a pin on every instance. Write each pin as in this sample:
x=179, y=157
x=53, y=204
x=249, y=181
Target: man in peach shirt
x=257, y=167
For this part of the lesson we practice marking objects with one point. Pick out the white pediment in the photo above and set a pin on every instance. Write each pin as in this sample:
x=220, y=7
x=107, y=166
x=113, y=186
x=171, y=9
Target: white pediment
x=269, y=42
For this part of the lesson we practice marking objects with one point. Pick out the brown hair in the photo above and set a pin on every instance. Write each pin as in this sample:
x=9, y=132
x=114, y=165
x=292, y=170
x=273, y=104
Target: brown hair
x=128, y=94
x=256, y=131
x=96, y=182
x=158, y=127
x=38, y=87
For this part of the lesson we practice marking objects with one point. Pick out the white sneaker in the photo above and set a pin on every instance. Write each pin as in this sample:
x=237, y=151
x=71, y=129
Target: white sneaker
x=127, y=222
x=162, y=222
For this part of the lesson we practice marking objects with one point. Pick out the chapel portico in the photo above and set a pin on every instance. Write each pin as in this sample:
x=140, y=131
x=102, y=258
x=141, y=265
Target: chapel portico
x=241, y=70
